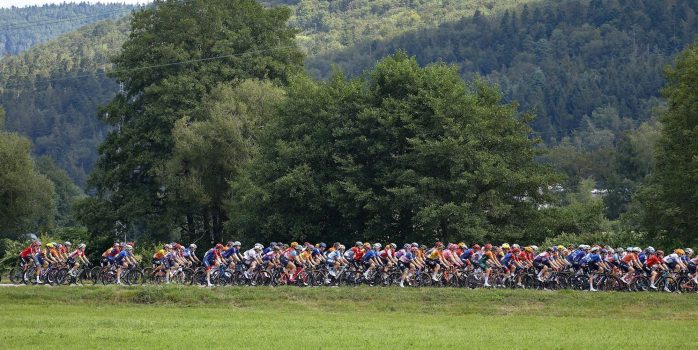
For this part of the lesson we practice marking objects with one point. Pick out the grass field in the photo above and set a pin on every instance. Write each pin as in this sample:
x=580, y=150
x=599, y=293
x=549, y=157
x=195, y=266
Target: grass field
x=377, y=318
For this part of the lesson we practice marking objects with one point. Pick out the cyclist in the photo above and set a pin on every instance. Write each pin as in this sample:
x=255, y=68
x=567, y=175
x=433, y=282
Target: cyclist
x=594, y=262
x=673, y=261
x=52, y=255
x=486, y=260
x=405, y=261
x=231, y=255
x=213, y=257
x=387, y=257
x=335, y=260
x=251, y=258
x=289, y=259
x=542, y=263
x=64, y=250
x=654, y=263
x=435, y=260
x=628, y=263
x=123, y=260
x=370, y=259
x=109, y=254
x=77, y=257
x=190, y=255
x=318, y=253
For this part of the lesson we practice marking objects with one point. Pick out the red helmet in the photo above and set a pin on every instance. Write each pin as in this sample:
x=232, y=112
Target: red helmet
x=476, y=247
x=219, y=246
x=438, y=244
x=488, y=246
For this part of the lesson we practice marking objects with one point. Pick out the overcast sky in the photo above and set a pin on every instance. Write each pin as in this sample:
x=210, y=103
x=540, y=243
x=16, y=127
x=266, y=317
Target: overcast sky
x=20, y=3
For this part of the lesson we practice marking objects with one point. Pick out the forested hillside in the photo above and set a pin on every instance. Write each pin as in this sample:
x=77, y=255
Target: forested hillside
x=22, y=28
x=330, y=25
x=51, y=93
x=562, y=60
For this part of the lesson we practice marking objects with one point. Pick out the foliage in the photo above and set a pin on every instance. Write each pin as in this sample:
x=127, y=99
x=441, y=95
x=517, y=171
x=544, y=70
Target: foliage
x=616, y=239
x=24, y=27
x=403, y=153
x=26, y=197
x=668, y=202
x=562, y=60
x=57, y=112
x=222, y=42
x=66, y=192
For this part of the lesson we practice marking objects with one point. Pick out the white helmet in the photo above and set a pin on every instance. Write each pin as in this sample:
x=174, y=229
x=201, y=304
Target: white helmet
x=237, y=243
x=515, y=246
x=689, y=251
x=82, y=246
x=534, y=247
x=650, y=250
x=377, y=246
x=258, y=246
x=66, y=243
x=192, y=246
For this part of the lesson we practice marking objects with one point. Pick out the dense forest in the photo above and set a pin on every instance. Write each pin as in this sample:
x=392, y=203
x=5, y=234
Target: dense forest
x=25, y=27
x=508, y=121
x=51, y=93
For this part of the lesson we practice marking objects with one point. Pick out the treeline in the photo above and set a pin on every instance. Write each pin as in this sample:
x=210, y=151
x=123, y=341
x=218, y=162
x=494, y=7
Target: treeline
x=25, y=27
x=562, y=60
x=51, y=93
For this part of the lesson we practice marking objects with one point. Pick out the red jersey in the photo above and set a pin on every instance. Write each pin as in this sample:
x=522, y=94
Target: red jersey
x=652, y=260
x=27, y=252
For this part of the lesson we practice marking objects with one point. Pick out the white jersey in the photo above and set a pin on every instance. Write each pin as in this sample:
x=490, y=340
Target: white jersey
x=250, y=255
x=671, y=258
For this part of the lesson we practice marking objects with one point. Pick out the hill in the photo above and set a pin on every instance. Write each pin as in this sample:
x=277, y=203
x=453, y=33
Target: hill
x=563, y=60
x=22, y=28
x=51, y=93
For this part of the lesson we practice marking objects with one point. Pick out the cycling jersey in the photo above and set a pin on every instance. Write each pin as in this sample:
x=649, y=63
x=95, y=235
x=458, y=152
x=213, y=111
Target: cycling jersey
x=592, y=259
x=76, y=253
x=542, y=257
x=671, y=259
x=467, y=254
x=407, y=257
x=187, y=253
x=334, y=256
x=506, y=260
x=119, y=258
x=27, y=252
x=230, y=252
x=369, y=255
x=160, y=254
x=575, y=258
x=435, y=254
x=315, y=252
x=652, y=260
x=249, y=255
x=349, y=254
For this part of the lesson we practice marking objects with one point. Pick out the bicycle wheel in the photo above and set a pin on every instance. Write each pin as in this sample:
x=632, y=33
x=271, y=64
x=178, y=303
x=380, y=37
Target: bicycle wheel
x=670, y=285
x=134, y=277
x=16, y=275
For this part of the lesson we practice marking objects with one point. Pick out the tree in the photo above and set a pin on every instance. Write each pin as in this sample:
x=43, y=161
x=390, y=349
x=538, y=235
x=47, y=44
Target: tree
x=213, y=42
x=66, y=192
x=669, y=200
x=403, y=153
x=210, y=153
x=26, y=197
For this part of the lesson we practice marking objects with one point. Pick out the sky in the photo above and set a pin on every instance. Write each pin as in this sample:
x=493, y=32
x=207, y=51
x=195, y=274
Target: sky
x=21, y=3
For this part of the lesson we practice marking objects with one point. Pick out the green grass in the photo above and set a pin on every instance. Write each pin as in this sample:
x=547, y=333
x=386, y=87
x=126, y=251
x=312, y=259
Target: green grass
x=158, y=317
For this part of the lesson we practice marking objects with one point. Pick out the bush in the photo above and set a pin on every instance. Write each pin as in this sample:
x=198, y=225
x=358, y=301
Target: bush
x=613, y=239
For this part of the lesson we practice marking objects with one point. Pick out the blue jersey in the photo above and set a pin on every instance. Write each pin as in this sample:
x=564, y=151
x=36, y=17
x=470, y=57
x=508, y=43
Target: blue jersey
x=576, y=257
x=119, y=258
x=315, y=252
x=187, y=253
x=230, y=252
x=642, y=257
x=467, y=254
x=592, y=258
x=369, y=255
x=506, y=259
x=210, y=255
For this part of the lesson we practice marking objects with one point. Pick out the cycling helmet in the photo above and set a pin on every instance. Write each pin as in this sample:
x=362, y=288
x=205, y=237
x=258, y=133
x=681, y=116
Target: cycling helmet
x=359, y=243
x=620, y=250
x=258, y=246
x=488, y=246
x=237, y=243
x=611, y=251
x=660, y=252
x=535, y=248
x=452, y=246
x=82, y=246
x=462, y=245
x=515, y=246
x=650, y=250
x=298, y=248
x=476, y=247
x=367, y=245
x=407, y=246
x=192, y=246
x=168, y=246
x=323, y=245
x=377, y=246
x=560, y=247
x=414, y=244
x=505, y=246
x=294, y=244
x=528, y=249
x=679, y=251
x=689, y=251
x=438, y=244
x=595, y=249
x=341, y=247
x=36, y=243
x=219, y=246
x=50, y=245
x=67, y=244
x=128, y=247
x=393, y=245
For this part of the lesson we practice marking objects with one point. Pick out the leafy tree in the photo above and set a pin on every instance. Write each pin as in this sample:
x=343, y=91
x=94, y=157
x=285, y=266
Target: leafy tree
x=669, y=201
x=402, y=153
x=216, y=41
x=66, y=192
x=26, y=197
